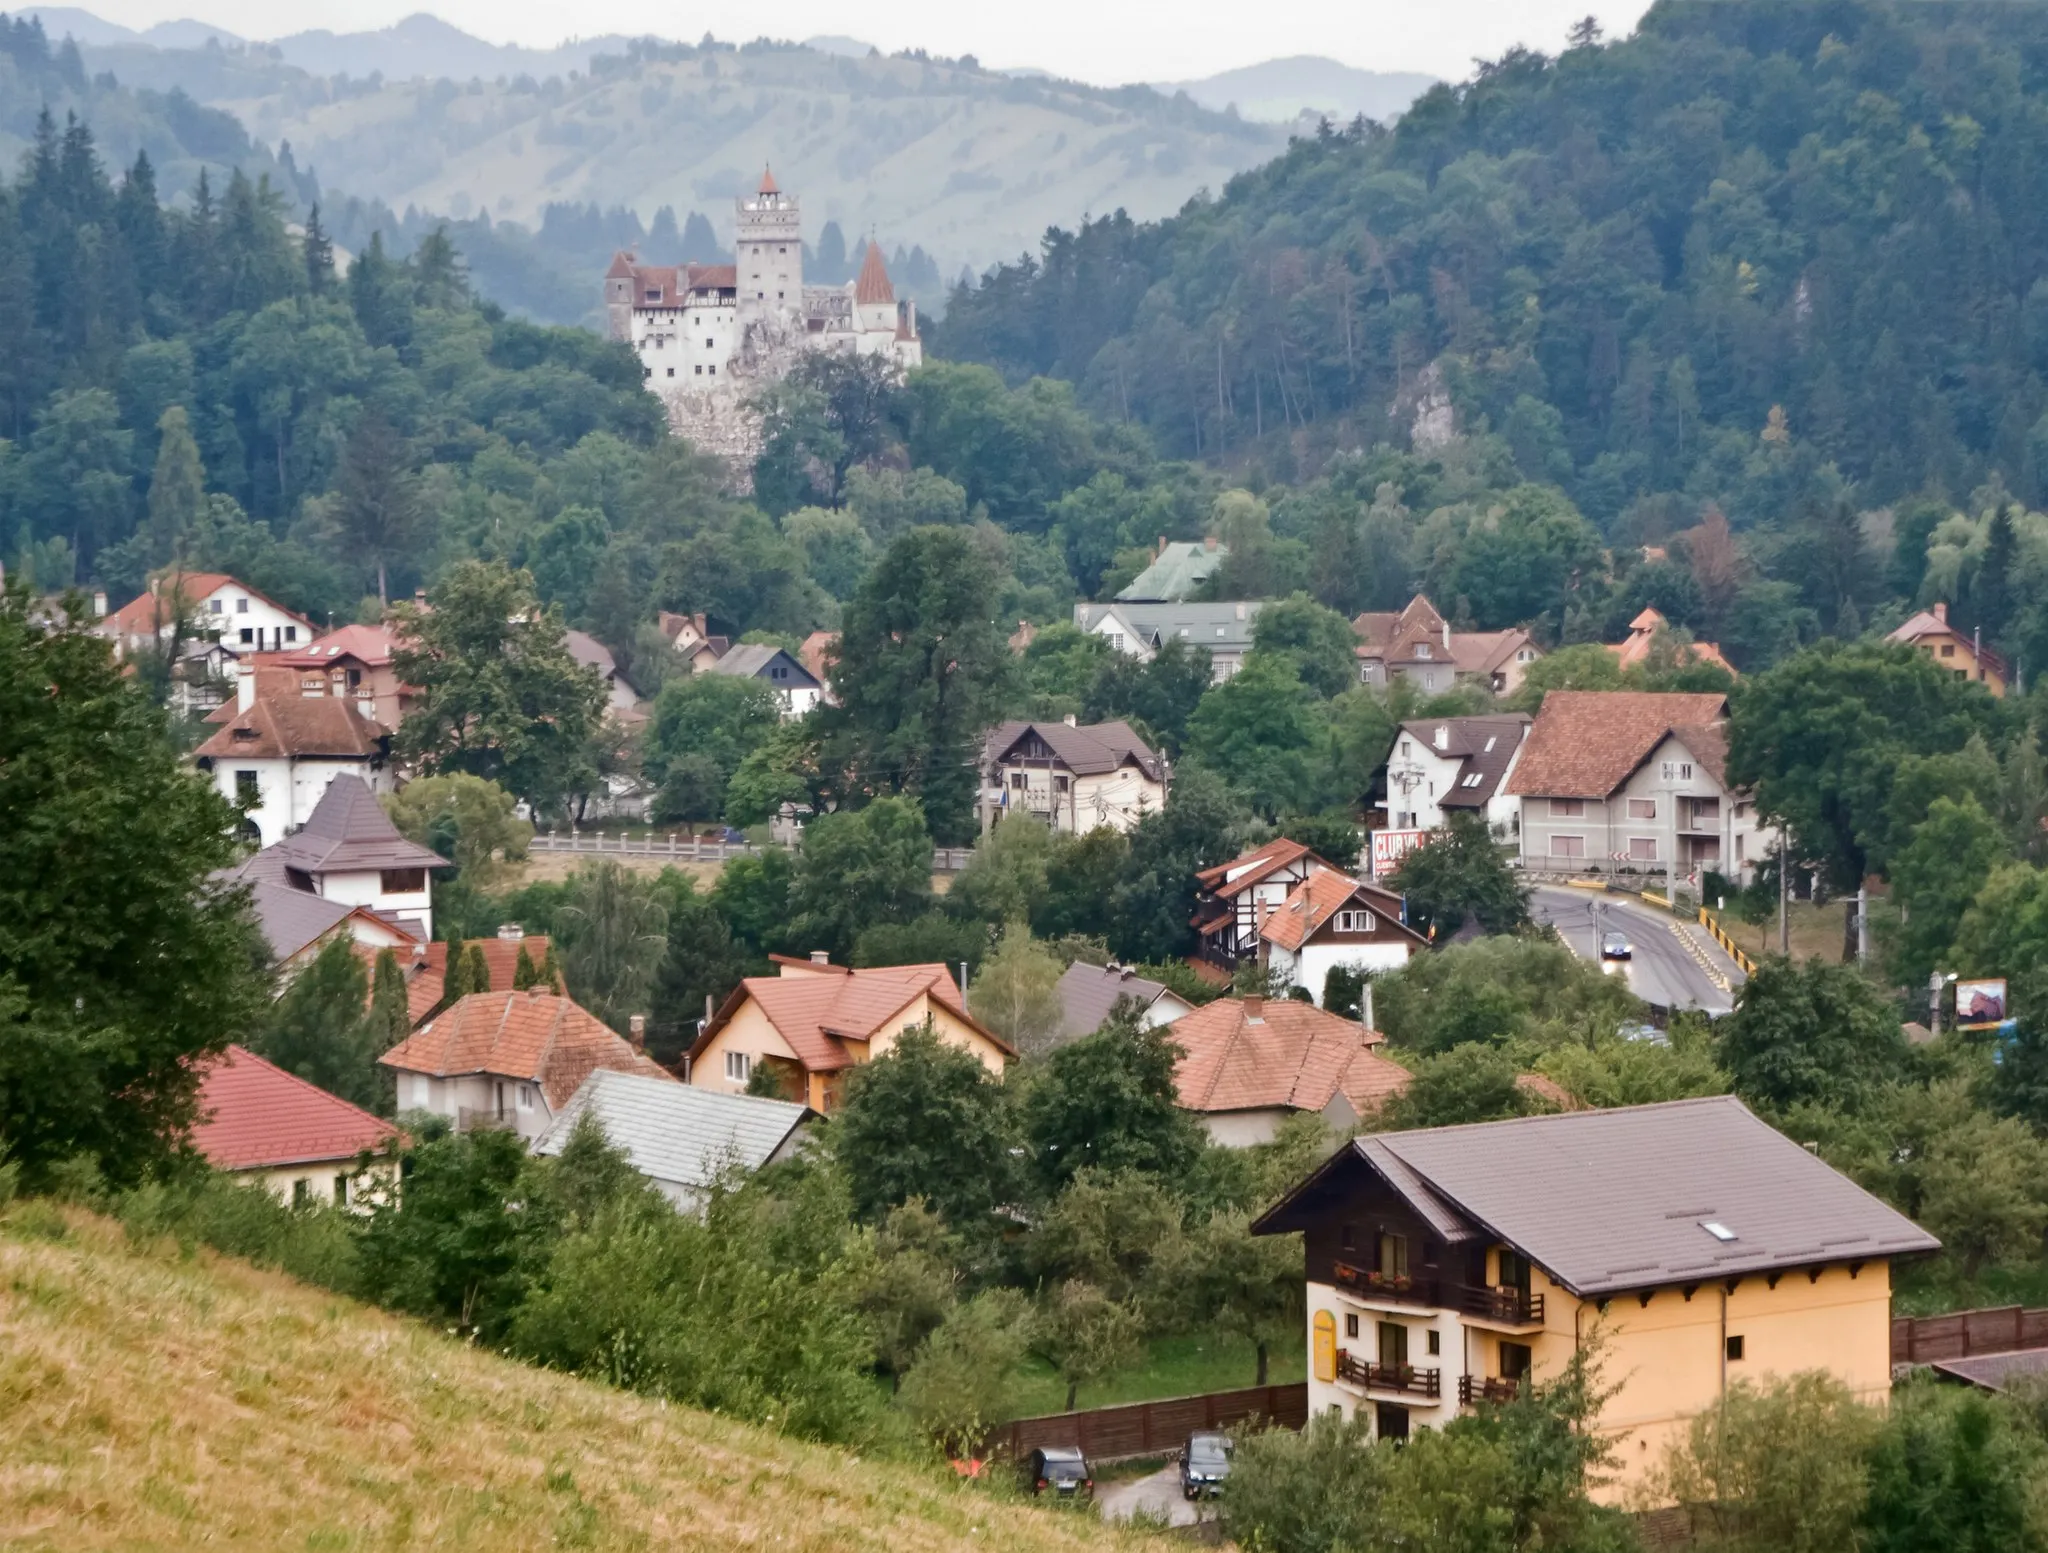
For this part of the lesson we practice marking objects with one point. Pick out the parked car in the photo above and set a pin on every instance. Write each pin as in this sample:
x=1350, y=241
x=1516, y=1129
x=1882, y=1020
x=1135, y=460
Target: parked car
x=1615, y=946
x=1204, y=1464
x=1060, y=1470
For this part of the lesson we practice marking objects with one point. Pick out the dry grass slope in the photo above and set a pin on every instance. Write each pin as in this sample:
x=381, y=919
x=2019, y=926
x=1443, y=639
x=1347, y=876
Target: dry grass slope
x=150, y=1399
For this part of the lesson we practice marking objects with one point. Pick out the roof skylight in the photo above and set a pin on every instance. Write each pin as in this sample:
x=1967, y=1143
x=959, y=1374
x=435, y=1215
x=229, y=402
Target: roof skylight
x=1717, y=1229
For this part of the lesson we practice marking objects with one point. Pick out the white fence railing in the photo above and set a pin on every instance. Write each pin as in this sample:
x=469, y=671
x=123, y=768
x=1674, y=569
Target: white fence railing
x=691, y=849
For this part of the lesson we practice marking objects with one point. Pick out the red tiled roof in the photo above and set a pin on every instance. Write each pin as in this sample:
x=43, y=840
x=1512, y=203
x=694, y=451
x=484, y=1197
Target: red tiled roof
x=821, y=1007
x=816, y=647
x=1257, y=864
x=537, y=1036
x=141, y=615
x=1585, y=743
x=1247, y=1055
x=873, y=284
x=767, y=181
x=1318, y=898
x=287, y=726
x=371, y=646
x=427, y=977
x=1642, y=634
x=254, y=1114
x=622, y=266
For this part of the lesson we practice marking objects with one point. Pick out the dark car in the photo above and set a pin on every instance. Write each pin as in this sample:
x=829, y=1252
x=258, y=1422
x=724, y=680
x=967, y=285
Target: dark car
x=1615, y=946
x=1060, y=1470
x=1204, y=1464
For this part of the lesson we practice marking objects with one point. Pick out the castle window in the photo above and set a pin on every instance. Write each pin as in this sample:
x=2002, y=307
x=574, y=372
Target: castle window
x=712, y=370
x=707, y=345
x=671, y=371
x=653, y=293
x=700, y=371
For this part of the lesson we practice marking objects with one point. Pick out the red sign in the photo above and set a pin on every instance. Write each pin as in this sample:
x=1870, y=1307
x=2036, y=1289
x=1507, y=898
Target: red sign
x=1390, y=846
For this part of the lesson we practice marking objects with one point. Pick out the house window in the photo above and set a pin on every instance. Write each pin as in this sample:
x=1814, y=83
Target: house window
x=341, y=1191
x=213, y=607
x=739, y=1067
x=1060, y=784
x=1406, y=748
x=247, y=789
x=1393, y=1255
x=1515, y=1360
x=1471, y=779
x=1642, y=849
x=1642, y=808
x=1018, y=780
x=291, y=633
x=1393, y=1344
x=402, y=881
x=1354, y=922
x=241, y=606
x=1948, y=649
x=671, y=371
x=526, y=1097
x=1422, y=651
x=1350, y=1324
x=302, y=1191
x=1567, y=846
x=1436, y=1341
x=1734, y=1348
x=248, y=636
x=498, y=1094
x=1347, y=1237
x=1116, y=640
x=1567, y=808
x=1678, y=770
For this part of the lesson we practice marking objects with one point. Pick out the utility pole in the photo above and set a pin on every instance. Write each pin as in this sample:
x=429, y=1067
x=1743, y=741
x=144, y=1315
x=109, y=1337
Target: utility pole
x=1784, y=894
x=1934, y=985
x=1863, y=922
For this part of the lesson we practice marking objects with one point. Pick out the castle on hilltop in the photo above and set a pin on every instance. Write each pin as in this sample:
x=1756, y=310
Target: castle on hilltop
x=710, y=336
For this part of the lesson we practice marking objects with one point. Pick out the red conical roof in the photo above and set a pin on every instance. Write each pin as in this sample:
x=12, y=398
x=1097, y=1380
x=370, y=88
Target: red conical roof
x=622, y=266
x=768, y=181
x=873, y=285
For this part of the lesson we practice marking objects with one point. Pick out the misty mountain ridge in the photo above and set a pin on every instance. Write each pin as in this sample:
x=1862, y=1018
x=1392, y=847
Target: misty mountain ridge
x=1279, y=91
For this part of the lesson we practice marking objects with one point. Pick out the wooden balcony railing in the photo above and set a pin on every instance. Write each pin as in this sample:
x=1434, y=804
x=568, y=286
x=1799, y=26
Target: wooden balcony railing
x=1405, y=1378
x=1474, y=1389
x=1384, y=1286
x=1511, y=1307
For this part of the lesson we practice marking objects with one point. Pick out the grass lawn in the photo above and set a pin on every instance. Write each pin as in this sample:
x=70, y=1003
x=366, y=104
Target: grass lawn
x=156, y=1399
x=1174, y=1367
x=1936, y=1286
x=1815, y=930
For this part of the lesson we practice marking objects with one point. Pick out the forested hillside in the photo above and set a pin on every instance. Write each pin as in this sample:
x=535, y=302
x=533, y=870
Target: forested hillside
x=1771, y=256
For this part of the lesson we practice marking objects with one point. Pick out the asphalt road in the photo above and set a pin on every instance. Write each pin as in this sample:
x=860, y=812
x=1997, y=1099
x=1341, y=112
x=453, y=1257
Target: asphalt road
x=1156, y=1494
x=1663, y=970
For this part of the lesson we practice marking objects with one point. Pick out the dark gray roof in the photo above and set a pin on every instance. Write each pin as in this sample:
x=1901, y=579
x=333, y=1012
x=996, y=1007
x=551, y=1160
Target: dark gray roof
x=677, y=1134
x=292, y=919
x=1486, y=746
x=1614, y=1200
x=1089, y=992
x=348, y=831
x=1090, y=749
x=1226, y=626
x=1995, y=1371
x=750, y=660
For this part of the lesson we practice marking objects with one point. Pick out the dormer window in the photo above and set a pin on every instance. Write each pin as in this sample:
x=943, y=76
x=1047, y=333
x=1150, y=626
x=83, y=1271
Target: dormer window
x=1422, y=650
x=653, y=293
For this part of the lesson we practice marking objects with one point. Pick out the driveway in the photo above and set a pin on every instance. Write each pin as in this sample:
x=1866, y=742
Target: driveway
x=1676, y=964
x=1156, y=1494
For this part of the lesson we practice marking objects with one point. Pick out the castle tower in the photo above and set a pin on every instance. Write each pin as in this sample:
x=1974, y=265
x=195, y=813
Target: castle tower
x=874, y=298
x=618, y=297
x=768, y=253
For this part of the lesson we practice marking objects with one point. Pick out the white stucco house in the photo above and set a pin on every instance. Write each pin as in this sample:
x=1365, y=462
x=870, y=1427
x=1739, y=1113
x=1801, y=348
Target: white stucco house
x=349, y=854
x=278, y=754
x=1223, y=631
x=1331, y=921
x=1450, y=765
x=795, y=686
x=1075, y=777
x=212, y=607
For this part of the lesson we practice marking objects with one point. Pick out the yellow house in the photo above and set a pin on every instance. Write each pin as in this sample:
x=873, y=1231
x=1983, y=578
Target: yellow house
x=816, y=1022
x=1701, y=1245
x=1964, y=656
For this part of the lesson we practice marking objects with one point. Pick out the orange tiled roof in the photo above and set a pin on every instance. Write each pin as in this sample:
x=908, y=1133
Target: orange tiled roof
x=1253, y=1055
x=1585, y=743
x=873, y=284
x=1257, y=864
x=537, y=1036
x=369, y=645
x=1318, y=898
x=1642, y=634
x=822, y=1007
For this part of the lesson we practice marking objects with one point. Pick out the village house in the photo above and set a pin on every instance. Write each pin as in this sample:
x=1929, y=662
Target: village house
x=1632, y=779
x=1075, y=777
x=426, y=967
x=297, y=924
x=795, y=687
x=1090, y=993
x=1223, y=631
x=622, y=701
x=278, y=755
x=1643, y=633
x=301, y=1144
x=1179, y=570
x=354, y=664
x=1248, y=1064
x=348, y=852
x=815, y=1022
x=1448, y=1266
x=1417, y=644
x=1442, y=766
x=1966, y=657
x=682, y=1137
x=692, y=638
x=209, y=607
x=1233, y=899
x=509, y=1059
x=1329, y=922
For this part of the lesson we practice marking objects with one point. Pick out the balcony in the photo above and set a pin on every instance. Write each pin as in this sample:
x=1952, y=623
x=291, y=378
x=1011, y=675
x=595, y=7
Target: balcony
x=1399, y=1288
x=1475, y=1389
x=1403, y=1378
x=1501, y=1307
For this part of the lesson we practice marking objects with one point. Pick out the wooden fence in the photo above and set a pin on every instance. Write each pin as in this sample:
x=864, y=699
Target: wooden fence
x=1151, y=1428
x=2000, y=1329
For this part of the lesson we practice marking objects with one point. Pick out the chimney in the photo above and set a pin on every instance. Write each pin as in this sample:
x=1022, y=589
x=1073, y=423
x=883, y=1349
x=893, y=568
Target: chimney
x=1209, y=542
x=963, y=980
x=1240, y=612
x=1941, y=611
x=1442, y=738
x=821, y=957
x=1365, y=1010
x=245, y=686
x=1070, y=720
x=1254, y=1009
x=511, y=931
x=1162, y=546
x=99, y=604
x=337, y=683
x=1447, y=636
x=638, y=1025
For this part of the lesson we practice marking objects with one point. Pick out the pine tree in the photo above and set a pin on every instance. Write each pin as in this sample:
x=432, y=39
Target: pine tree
x=525, y=974
x=479, y=976
x=389, y=1008
x=456, y=984
x=379, y=508
x=177, y=489
x=319, y=252
x=551, y=973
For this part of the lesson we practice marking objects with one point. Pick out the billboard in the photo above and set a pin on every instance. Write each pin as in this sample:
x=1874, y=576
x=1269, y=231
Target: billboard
x=1390, y=846
x=1980, y=1004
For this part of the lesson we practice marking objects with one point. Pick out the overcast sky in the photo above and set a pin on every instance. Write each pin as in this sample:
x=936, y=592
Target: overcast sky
x=1088, y=39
